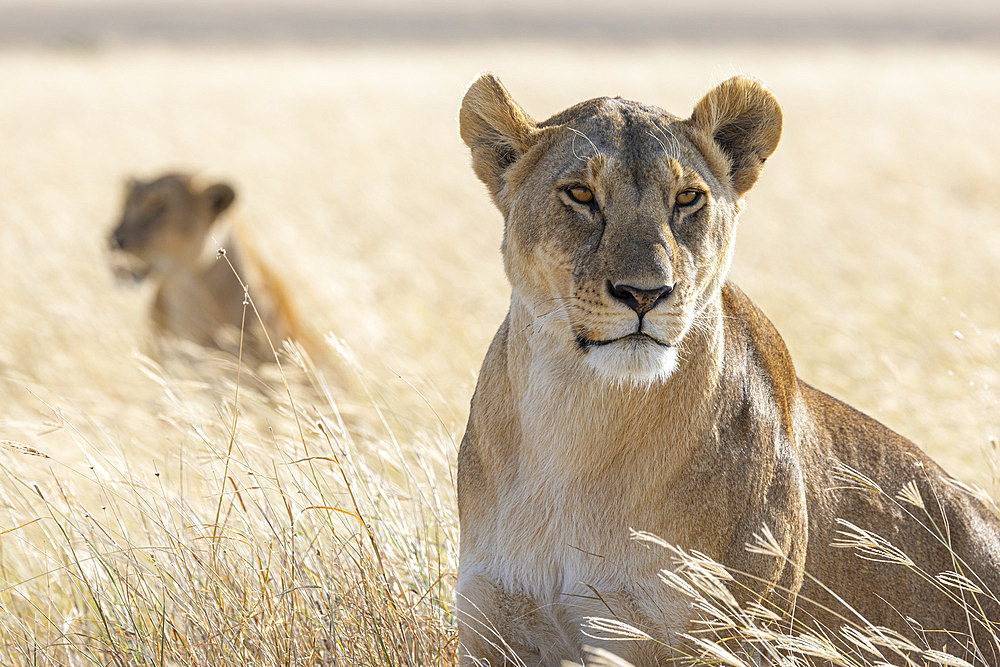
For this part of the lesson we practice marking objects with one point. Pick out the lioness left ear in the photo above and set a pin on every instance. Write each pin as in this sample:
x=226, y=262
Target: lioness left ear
x=220, y=197
x=743, y=119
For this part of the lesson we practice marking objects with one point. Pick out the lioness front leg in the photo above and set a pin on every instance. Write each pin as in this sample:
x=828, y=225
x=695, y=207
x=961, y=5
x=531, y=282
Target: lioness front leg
x=497, y=627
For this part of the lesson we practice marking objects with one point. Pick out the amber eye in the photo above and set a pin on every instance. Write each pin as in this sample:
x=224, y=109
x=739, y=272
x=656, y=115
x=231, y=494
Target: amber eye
x=688, y=197
x=581, y=194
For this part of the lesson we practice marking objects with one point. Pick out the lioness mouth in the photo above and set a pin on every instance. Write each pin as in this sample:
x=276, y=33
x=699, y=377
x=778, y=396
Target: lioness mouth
x=126, y=271
x=638, y=337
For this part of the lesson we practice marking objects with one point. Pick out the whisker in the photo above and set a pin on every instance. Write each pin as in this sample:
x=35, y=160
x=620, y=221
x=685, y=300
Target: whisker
x=662, y=145
x=562, y=298
x=573, y=144
x=669, y=138
x=561, y=308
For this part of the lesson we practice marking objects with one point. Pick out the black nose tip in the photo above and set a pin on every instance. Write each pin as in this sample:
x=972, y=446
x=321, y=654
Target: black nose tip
x=640, y=300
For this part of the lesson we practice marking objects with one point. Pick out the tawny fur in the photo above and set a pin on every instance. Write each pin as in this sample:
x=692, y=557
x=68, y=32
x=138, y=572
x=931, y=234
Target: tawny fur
x=166, y=234
x=591, y=418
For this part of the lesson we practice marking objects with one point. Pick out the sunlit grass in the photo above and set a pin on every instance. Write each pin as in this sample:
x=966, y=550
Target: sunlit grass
x=266, y=549
x=727, y=632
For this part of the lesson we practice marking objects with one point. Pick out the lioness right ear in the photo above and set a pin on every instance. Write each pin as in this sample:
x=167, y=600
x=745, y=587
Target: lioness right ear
x=495, y=128
x=743, y=118
x=220, y=197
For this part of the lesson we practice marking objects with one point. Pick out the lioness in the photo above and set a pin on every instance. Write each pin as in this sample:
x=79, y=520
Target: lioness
x=164, y=234
x=632, y=387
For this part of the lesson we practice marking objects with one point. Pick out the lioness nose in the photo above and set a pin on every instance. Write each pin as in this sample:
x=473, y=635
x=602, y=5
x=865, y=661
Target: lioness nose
x=116, y=241
x=640, y=300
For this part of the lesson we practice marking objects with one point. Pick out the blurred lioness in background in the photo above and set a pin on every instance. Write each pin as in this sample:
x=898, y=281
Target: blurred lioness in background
x=170, y=233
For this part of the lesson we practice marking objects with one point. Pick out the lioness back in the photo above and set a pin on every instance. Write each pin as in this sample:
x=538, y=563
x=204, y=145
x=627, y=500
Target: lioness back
x=631, y=387
x=165, y=233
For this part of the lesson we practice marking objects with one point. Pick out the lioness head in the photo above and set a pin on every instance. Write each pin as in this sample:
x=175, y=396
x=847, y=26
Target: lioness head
x=620, y=217
x=165, y=223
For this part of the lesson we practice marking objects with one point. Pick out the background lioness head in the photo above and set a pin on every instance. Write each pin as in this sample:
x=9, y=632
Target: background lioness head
x=165, y=223
x=619, y=217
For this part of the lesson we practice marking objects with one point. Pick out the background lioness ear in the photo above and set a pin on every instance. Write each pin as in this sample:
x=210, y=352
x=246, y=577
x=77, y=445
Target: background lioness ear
x=220, y=196
x=744, y=120
x=495, y=128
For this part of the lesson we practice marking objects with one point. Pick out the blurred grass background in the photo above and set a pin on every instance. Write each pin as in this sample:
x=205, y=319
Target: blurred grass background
x=872, y=239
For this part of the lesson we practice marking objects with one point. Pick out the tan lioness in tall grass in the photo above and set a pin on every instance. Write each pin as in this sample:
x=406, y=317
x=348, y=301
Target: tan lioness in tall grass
x=165, y=234
x=632, y=387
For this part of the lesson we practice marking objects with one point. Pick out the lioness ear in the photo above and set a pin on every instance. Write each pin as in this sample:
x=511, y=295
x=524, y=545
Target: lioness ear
x=495, y=128
x=220, y=197
x=744, y=119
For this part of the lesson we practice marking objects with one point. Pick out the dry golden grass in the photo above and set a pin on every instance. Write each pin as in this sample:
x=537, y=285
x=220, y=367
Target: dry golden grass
x=154, y=532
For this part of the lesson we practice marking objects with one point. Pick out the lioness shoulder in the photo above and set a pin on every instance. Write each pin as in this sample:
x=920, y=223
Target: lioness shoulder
x=632, y=387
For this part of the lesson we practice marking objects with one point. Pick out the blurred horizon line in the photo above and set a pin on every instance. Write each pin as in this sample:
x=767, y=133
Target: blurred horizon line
x=109, y=23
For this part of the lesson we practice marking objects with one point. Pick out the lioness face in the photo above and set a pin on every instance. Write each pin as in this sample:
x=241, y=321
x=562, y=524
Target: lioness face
x=620, y=216
x=164, y=224
x=615, y=232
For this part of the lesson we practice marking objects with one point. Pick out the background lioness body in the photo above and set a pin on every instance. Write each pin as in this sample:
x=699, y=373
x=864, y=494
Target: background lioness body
x=166, y=231
x=632, y=387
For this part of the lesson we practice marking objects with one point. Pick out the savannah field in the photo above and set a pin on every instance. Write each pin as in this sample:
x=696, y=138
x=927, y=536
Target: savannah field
x=173, y=509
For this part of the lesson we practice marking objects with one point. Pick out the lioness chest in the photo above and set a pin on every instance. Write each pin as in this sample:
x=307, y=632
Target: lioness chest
x=543, y=580
x=197, y=303
x=557, y=546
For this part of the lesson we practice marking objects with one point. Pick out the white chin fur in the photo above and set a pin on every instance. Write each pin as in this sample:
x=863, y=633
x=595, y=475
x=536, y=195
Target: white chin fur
x=639, y=364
